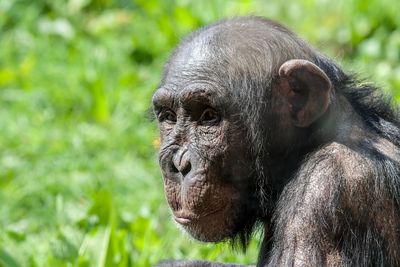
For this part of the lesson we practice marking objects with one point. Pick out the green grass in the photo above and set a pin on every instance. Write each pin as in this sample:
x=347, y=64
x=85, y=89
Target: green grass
x=79, y=180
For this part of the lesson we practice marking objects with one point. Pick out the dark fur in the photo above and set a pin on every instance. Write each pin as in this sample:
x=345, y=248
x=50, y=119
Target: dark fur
x=356, y=222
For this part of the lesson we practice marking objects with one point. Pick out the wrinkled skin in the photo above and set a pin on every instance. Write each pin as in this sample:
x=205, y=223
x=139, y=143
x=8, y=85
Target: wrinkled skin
x=259, y=128
x=201, y=154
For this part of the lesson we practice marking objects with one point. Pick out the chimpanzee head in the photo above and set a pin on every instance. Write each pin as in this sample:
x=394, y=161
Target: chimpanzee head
x=232, y=94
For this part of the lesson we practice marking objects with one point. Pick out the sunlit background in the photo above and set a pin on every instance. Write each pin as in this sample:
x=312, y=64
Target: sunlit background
x=79, y=180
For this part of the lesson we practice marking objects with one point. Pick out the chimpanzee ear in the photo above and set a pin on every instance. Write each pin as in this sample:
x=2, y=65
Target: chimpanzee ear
x=307, y=88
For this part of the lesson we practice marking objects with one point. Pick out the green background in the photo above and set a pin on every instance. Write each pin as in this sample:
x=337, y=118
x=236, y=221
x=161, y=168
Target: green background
x=79, y=180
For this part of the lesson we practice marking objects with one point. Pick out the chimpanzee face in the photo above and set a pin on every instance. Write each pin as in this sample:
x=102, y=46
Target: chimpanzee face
x=204, y=157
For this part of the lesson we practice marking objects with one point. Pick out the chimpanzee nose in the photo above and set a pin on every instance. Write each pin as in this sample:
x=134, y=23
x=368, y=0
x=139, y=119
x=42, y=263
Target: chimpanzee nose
x=181, y=161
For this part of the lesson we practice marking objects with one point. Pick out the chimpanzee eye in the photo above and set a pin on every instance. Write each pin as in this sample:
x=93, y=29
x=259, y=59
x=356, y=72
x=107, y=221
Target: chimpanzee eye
x=209, y=116
x=167, y=115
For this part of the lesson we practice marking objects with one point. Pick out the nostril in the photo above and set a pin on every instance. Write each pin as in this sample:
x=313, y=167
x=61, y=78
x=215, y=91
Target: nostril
x=186, y=168
x=172, y=168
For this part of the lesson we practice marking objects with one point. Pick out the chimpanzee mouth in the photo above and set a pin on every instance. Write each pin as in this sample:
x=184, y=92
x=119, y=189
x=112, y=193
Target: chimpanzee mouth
x=187, y=218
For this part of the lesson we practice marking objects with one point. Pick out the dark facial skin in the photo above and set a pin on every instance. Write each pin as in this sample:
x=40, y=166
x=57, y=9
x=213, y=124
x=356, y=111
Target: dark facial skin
x=259, y=128
x=202, y=152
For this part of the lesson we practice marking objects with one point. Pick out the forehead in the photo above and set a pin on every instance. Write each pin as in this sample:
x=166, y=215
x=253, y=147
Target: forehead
x=223, y=60
x=195, y=53
x=197, y=60
x=195, y=74
x=221, y=53
x=196, y=68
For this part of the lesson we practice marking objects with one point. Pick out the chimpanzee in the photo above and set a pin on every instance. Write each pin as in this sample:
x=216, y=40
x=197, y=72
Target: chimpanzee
x=260, y=130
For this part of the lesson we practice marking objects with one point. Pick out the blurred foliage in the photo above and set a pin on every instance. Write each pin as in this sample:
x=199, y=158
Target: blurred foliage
x=79, y=181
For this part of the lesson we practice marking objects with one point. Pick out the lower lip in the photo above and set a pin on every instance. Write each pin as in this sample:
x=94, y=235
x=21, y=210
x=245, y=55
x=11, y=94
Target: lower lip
x=182, y=220
x=185, y=221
